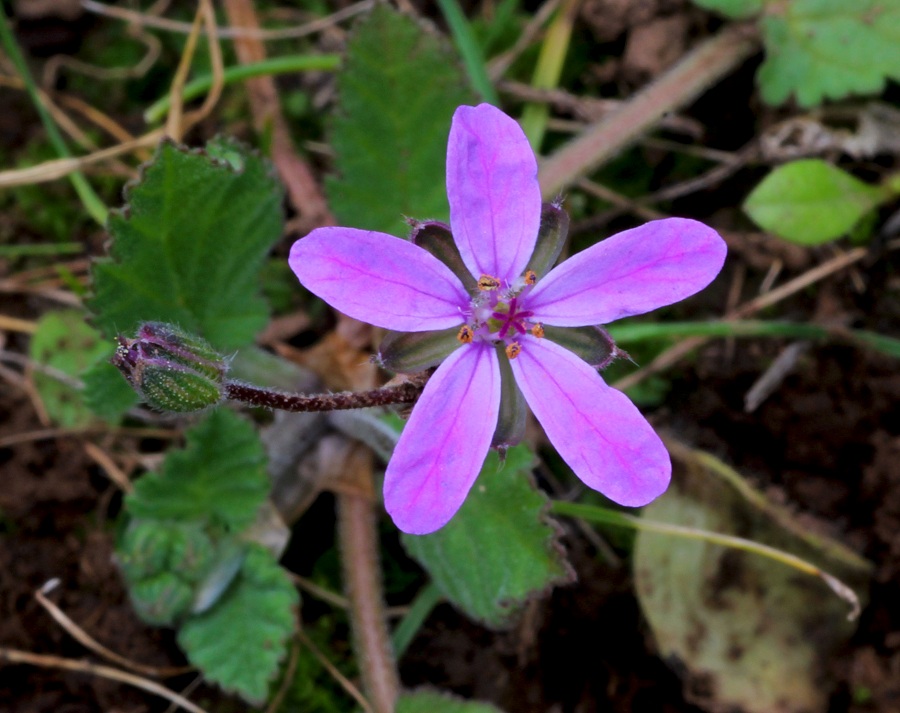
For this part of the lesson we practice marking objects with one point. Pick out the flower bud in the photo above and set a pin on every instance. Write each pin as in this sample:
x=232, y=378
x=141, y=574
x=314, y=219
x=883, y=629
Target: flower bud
x=171, y=369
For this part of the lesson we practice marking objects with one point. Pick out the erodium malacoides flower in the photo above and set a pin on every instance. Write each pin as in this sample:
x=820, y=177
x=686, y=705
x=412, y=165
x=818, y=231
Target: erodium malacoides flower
x=478, y=298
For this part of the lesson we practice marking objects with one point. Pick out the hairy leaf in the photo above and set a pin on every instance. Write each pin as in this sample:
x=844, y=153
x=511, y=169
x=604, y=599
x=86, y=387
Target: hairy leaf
x=498, y=551
x=399, y=88
x=218, y=477
x=240, y=642
x=189, y=245
x=106, y=393
x=736, y=9
x=811, y=201
x=829, y=49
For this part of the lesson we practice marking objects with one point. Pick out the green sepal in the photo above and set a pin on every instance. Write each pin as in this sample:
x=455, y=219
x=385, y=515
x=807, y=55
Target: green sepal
x=513, y=411
x=436, y=238
x=591, y=344
x=174, y=390
x=411, y=352
x=551, y=238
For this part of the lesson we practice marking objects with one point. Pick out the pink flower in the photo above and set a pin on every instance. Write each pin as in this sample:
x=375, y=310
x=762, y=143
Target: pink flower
x=496, y=317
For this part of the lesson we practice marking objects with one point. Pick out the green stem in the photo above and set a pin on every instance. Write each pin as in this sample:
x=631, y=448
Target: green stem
x=91, y=201
x=698, y=70
x=279, y=65
x=605, y=516
x=473, y=59
x=548, y=71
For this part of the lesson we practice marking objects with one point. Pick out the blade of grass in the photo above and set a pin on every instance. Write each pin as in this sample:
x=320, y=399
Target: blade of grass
x=89, y=199
x=426, y=600
x=278, y=65
x=630, y=333
x=605, y=516
x=473, y=59
x=549, y=70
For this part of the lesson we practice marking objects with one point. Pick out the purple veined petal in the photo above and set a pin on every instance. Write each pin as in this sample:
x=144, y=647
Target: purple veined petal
x=379, y=279
x=632, y=272
x=595, y=428
x=495, y=200
x=443, y=447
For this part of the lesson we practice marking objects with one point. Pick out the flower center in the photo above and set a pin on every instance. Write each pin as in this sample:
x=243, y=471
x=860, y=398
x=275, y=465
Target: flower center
x=499, y=316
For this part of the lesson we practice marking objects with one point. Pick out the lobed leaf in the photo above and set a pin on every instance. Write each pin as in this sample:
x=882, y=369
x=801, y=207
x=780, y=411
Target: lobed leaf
x=811, y=201
x=439, y=702
x=218, y=477
x=189, y=245
x=240, y=642
x=65, y=343
x=828, y=49
x=400, y=85
x=498, y=551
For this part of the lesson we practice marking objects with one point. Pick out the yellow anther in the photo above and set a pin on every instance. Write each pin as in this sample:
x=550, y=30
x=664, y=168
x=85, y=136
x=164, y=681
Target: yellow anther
x=530, y=277
x=513, y=350
x=538, y=330
x=486, y=283
x=465, y=334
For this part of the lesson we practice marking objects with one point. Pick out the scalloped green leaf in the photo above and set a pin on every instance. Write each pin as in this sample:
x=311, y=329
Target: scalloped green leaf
x=240, y=642
x=219, y=477
x=735, y=9
x=500, y=550
x=66, y=343
x=106, y=393
x=811, y=201
x=427, y=701
x=828, y=49
x=399, y=88
x=189, y=245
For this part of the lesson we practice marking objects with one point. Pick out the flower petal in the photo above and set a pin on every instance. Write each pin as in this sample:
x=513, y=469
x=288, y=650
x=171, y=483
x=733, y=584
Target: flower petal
x=443, y=447
x=495, y=200
x=379, y=279
x=630, y=273
x=595, y=428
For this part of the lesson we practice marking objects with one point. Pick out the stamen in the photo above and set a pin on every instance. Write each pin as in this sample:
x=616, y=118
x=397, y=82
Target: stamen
x=465, y=335
x=486, y=283
x=538, y=330
x=530, y=277
x=513, y=349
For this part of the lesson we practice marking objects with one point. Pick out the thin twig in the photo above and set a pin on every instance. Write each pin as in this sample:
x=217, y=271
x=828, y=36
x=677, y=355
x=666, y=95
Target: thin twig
x=25, y=657
x=83, y=638
x=344, y=682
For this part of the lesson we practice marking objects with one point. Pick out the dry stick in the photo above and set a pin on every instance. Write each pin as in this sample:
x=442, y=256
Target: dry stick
x=696, y=71
x=358, y=534
x=682, y=349
x=89, y=642
x=16, y=656
x=302, y=188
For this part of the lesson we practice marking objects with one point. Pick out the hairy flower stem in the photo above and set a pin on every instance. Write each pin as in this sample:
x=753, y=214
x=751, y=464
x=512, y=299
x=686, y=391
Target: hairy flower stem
x=358, y=537
x=697, y=71
x=403, y=393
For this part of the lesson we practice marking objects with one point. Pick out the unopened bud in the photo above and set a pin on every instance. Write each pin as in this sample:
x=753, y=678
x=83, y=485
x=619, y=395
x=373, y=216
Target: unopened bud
x=171, y=369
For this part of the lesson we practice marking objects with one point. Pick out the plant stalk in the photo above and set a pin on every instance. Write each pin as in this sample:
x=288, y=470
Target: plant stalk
x=358, y=536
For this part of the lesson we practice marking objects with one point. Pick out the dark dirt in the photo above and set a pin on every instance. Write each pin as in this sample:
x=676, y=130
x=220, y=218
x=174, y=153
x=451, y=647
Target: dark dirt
x=826, y=443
